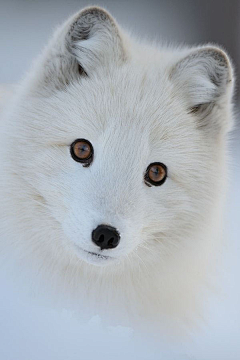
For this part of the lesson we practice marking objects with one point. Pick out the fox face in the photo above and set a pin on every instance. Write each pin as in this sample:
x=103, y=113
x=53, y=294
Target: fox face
x=121, y=145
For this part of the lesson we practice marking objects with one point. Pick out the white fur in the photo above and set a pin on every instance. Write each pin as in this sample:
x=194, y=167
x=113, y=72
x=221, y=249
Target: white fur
x=139, y=104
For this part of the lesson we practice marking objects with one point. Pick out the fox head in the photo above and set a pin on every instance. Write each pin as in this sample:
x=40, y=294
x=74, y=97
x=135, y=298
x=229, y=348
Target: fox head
x=121, y=144
x=115, y=153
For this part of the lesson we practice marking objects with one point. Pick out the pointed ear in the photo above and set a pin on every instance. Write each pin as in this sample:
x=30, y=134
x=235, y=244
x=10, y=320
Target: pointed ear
x=204, y=80
x=86, y=42
x=94, y=39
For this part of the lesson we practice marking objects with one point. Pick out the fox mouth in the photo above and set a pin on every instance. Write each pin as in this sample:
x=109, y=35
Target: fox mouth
x=93, y=258
x=100, y=256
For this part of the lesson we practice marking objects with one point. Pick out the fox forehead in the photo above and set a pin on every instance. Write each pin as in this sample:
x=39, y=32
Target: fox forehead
x=126, y=99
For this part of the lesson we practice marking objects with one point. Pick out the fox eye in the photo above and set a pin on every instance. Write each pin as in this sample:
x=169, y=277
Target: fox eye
x=156, y=174
x=82, y=151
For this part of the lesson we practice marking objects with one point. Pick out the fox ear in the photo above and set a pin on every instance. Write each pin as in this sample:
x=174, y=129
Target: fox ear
x=87, y=41
x=94, y=39
x=204, y=79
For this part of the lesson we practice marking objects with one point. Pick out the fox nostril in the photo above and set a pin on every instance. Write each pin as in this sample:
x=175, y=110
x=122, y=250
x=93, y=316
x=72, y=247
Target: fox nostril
x=101, y=238
x=111, y=243
x=106, y=237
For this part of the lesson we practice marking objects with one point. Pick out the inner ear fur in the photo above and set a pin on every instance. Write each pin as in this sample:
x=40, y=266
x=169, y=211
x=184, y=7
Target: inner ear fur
x=204, y=79
x=88, y=40
x=203, y=75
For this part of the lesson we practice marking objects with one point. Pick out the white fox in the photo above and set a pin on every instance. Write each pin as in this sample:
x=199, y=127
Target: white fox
x=113, y=170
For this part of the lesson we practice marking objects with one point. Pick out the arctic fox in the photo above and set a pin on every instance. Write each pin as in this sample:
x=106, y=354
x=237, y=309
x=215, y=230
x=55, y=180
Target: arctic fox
x=113, y=170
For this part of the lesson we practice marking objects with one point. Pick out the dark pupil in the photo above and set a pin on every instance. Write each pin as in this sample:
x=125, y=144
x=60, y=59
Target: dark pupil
x=84, y=149
x=155, y=171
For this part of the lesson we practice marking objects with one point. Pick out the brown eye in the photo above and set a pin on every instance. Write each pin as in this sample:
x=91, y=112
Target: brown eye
x=82, y=151
x=156, y=174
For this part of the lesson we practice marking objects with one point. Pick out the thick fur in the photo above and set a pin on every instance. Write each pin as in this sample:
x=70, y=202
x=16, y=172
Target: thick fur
x=137, y=104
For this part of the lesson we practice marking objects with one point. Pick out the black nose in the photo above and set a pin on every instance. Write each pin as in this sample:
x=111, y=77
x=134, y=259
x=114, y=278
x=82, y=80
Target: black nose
x=106, y=237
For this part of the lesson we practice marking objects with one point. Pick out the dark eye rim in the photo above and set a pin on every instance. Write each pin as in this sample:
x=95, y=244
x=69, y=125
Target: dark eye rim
x=150, y=182
x=86, y=162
